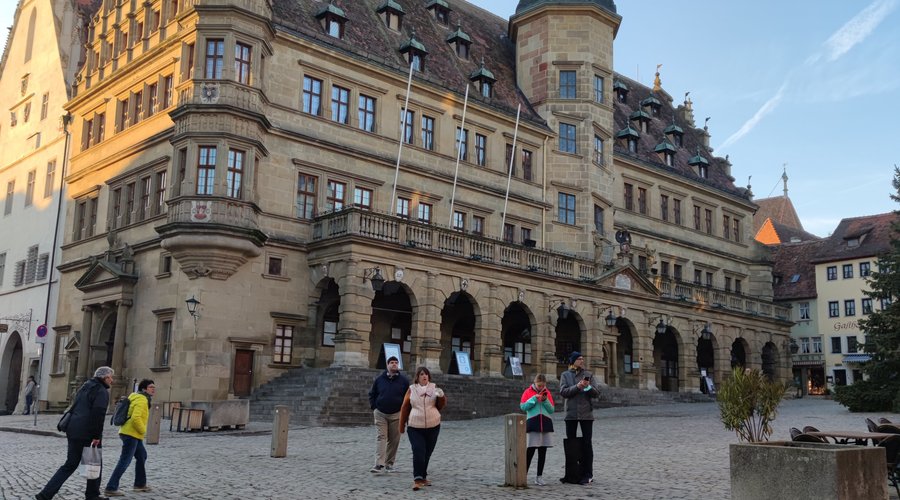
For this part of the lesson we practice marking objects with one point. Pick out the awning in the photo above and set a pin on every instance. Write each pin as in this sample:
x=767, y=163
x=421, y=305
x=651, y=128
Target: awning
x=811, y=362
x=857, y=358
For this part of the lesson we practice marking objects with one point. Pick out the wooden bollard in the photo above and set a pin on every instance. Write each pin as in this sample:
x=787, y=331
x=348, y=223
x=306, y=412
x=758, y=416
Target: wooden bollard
x=516, y=463
x=280, y=431
x=153, y=424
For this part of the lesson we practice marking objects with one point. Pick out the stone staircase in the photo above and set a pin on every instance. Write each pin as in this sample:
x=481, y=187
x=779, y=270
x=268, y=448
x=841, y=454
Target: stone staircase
x=339, y=396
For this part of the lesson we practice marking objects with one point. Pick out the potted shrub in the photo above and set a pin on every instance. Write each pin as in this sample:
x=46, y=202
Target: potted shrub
x=748, y=402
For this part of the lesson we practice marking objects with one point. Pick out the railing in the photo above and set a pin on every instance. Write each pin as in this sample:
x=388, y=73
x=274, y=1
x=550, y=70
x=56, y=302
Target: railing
x=221, y=92
x=213, y=210
x=447, y=241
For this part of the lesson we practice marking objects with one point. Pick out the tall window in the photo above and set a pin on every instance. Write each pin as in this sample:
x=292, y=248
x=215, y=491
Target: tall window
x=312, y=96
x=406, y=125
x=664, y=207
x=629, y=196
x=864, y=269
x=144, y=209
x=509, y=163
x=726, y=227
x=362, y=198
x=598, y=219
x=598, y=88
x=189, y=65
x=803, y=311
x=335, y=193
x=736, y=229
x=850, y=307
x=834, y=309
x=676, y=211
x=598, y=150
x=123, y=115
x=642, y=200
x=478, y=225
x=242, y=63
x=215, y=57
x=567, y=138
x=566, y=208
x=152, y=99
x=235, y=175
x=403, y=207
x=480, y=150
x=831, y=273
x=29, y=187
x=527, y=171
x=59, y=360
x=462, y=143
x=696, y=217
x=129, y=202
x=424, y=212
x=737, y=286
x=284, y=337
x=567, y=85
x=306, y=196
x=10, y=192
x=206, y=170
x=168, y=83
x=846, y=268
x=340, y=104
x=138, y=99
x=366, y=113
x=428, y=132
x=160, y=199
x=509, y=232
x=164, y=349
x=867, y=306
x=45, y=105
x=709, y=221
x=50, y=179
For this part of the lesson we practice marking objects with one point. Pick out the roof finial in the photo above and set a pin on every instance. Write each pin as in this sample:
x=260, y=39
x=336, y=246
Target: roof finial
x=784, y=178
x=687, y=101
x=657, y=83
x=706, y=124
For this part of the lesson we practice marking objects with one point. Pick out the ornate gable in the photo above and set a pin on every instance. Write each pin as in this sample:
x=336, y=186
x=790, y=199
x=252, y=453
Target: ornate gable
x=629, y=278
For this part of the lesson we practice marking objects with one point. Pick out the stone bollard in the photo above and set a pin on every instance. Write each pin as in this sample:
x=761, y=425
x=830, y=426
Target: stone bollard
x=153, y=424
x=516, y=463
x=280, y=431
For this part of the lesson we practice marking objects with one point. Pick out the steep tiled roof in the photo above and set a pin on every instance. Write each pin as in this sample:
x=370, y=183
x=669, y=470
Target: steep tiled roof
x=794, y=271
x=873, y=232
x=691, y=141
x=774, y=233
x=366, y=36
x=779, y=209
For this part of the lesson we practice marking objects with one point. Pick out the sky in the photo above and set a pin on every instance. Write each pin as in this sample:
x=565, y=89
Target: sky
x=807, y=85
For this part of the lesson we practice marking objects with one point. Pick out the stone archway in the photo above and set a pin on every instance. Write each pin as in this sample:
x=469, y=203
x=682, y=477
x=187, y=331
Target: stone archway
x=706, y=360
x=326, y=320
x=102, y=346
x=459, y=324
x=568, y=340
x=625, y=354
x=739, y=350
x=665, y=357
x=516, y=336
x=392, y=318
x=10, y=385
x=770, y=361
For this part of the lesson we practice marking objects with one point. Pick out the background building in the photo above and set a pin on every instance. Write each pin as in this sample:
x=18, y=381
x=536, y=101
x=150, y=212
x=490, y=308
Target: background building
x=38, y=65
x=244, y=155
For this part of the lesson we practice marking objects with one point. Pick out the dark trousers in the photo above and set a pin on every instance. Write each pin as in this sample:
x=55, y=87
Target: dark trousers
x=73, y=458
x=29, y=399
x=587, y=431
x=131, y=448
x=542, y=457
x=422, y=442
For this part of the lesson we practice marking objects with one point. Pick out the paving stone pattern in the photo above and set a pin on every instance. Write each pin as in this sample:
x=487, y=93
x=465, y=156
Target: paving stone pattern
x=651, y=452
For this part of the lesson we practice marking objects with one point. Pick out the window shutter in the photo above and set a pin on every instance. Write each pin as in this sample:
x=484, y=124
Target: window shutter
x=31, y=264
x=43, y=262
x=19, y=277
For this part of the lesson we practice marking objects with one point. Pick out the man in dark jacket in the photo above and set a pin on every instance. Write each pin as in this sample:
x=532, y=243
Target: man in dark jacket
x=578, y=387
x=85, y=429
x=385, y=399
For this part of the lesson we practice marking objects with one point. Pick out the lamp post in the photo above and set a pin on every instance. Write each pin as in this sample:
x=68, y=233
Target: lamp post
x=192, y=305
x=374, y=276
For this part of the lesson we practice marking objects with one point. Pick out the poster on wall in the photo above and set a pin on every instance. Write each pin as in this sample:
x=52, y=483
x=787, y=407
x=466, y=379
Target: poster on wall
x=393, y=350
x=462, y=362
x=710, y=386
x=515, y=366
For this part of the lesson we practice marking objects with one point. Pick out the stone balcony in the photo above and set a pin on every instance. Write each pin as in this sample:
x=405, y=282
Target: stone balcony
x=211, y=236
x=445, y=241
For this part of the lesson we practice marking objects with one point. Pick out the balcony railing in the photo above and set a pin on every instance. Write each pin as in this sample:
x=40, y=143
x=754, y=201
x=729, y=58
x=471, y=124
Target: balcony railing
x=221, y=92
x=213, y=210
x=411, y=234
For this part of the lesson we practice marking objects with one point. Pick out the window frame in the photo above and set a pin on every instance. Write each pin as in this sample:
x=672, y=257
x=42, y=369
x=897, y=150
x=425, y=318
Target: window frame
x=242, y=64
x=834, y=309
x=306, y=202
x=566, y=208
x=214, y=61
x=568, y=138
x=568, y=84
x=311, y=96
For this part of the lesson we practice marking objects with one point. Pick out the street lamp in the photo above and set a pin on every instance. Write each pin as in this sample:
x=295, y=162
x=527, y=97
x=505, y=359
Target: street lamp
x=192, y=305
x=373, y=274
x=706, y=332
x=661, y=326
x=610, y=319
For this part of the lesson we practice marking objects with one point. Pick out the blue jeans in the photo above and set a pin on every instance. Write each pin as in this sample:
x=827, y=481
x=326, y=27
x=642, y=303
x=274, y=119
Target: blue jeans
x=422, y=442
x=131, y=448
x=29, y=399
x=73, y=459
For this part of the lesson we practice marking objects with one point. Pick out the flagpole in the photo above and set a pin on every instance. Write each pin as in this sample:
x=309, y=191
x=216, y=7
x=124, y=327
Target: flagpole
x=462, y=130
x=404, y=112
x=512, y=158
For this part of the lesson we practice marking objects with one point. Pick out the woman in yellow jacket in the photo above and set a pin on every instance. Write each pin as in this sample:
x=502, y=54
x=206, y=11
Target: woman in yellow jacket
x=132, y=436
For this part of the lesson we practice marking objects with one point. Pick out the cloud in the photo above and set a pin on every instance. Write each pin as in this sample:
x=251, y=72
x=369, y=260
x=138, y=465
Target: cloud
x=766, y=108
x=858, y=29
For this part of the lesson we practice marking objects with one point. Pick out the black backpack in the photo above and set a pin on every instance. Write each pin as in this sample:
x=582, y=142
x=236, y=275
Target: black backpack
x=120, y=415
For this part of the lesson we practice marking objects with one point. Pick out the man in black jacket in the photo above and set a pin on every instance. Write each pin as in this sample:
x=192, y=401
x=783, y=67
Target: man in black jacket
x=85, y=429
x=385, y=399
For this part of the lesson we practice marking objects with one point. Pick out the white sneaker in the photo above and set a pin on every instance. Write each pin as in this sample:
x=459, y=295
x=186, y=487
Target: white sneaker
x=390, y=468
x=540, y=481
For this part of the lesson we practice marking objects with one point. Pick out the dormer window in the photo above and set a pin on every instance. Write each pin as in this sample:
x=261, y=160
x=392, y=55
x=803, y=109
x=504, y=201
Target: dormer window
x=853, y=242
x=701, y=164
x=675, y=134
x=332, y=19
x=440, y=10
x=460, y=42
x=642, y=118
x=629, y=137
x=653, y=103
x=392, y=13
x=415, y=52
x=621, y=91
x=484, y=80
x=666, y=152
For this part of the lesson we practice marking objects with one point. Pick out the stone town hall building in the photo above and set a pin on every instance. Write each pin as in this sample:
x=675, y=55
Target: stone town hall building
x=244, y=153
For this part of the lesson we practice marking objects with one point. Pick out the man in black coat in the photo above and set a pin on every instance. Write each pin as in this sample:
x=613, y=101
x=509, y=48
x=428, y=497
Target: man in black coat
x=85, y=429
x=385, y=399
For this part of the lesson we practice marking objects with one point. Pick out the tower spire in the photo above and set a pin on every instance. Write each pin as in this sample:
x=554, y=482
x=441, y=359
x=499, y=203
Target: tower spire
x=784, y=179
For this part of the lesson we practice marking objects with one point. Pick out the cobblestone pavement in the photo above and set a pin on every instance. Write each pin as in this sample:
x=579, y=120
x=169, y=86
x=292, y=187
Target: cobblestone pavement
x=656, y=452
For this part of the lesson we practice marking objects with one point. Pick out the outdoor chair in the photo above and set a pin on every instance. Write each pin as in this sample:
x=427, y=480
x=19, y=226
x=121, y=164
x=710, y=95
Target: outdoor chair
x=871, y=425
x=883, y=420
x=887, y=428
x=891, y=447
x=806, y=438
x=795, y=432
x=809, y=428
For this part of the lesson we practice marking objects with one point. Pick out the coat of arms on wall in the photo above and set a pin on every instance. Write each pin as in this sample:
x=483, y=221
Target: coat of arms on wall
x=200, y=211
x=209, y=93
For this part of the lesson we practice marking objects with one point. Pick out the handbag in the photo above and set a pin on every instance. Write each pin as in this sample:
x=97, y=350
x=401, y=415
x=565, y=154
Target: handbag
x=91, y=462
x=63, y=423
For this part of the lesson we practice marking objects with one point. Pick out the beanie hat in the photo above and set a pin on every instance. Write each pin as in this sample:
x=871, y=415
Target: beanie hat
x=572, y=357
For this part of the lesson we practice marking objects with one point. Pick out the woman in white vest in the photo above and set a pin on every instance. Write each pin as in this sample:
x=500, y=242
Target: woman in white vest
x=421, y=412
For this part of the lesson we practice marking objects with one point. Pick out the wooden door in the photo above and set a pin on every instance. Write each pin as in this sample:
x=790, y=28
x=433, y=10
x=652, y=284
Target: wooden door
x=243, y=372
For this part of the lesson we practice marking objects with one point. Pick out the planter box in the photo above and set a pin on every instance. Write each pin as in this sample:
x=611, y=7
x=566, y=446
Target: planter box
x=186, y=420
x=790, y=471
x=227, y=413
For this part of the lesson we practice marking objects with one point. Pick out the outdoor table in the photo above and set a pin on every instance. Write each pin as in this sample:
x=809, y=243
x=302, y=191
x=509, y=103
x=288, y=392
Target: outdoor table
x=844, y=437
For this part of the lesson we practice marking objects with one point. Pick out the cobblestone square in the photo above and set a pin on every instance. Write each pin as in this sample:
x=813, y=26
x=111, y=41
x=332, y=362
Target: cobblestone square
x=652, y=452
